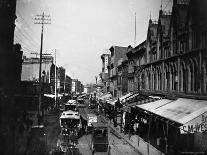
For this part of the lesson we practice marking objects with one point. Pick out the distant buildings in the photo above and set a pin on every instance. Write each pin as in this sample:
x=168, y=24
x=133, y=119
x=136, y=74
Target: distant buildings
x=104, y=75
x=30, y=69
x=77, y=86
x=64, y=84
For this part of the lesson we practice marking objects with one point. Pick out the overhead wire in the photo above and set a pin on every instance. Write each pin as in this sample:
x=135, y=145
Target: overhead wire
x=26, y=39
x=28, y=26
x=167, y=4
x=24, y=36
x=25, y=32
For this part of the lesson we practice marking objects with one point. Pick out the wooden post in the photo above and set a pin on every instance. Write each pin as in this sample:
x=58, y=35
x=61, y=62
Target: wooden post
x=148, y=136
x=166, y=138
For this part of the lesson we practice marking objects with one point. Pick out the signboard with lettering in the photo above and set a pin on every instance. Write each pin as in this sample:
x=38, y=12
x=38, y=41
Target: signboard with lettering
x=198, y=124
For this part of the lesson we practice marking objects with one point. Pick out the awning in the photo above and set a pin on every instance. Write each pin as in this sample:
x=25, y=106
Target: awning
x=52, y=95
x=106, y=96
x=125, y=96
x=130, y=97
x=190, y=113
x=112, y=102
x=153, y=106
x=183, y=110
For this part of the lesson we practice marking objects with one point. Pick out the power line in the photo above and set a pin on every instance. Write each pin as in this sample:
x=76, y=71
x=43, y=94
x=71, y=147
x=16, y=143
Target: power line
x=28, y=42
x=27, y=25
x=19, y=40
x=26, y=36
x=167, y=4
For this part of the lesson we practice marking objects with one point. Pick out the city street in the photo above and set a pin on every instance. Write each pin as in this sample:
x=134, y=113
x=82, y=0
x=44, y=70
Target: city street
x=118, y=145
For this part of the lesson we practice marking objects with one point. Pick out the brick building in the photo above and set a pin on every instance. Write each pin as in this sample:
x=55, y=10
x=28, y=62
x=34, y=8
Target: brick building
x=116, y=54
x=104, y=75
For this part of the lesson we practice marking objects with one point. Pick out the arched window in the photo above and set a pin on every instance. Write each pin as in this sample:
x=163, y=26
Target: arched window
x=183, y=78
x=143, y=81
x=204, y=76
x=149, y=80
x=195, y=76
x=190, y=78
x=174, y=74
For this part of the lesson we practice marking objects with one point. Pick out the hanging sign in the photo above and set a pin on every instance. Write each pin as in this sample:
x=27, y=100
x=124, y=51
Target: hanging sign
x=198, y=124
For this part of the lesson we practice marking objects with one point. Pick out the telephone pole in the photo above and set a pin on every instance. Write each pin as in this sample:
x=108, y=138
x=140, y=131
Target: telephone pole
x=41, y=19
x=135, y=30
x=55, y=81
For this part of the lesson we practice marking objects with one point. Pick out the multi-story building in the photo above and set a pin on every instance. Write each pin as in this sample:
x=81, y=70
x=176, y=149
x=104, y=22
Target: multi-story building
x=30, y=69
x=173, y=65
x=136, y=58
x=10, y=56
x=74, y=86
x=104, y=75
x=55, y=83
x=77, y=86
x=10, y=73
x=116, y=54
x=178, y=60
x=61, y=71
x=68, y=84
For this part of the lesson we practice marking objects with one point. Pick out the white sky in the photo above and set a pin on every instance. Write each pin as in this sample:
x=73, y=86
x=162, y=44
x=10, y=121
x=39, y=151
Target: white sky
x=81, y=30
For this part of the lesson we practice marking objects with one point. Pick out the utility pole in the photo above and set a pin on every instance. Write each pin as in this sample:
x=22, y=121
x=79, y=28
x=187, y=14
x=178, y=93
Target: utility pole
x=55, y=81
x=41, y=19
x=135, y=30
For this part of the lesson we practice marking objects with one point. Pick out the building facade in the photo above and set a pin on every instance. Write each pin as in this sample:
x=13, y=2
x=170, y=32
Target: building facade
x=68, y=85
x=61, y=71
x=30, y=69
x=104, y=75
x=116, y=54
x=176, y=62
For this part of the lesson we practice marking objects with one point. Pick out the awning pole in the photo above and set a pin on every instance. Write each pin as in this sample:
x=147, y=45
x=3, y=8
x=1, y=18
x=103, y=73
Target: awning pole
x=149, y=134
x=166, y=138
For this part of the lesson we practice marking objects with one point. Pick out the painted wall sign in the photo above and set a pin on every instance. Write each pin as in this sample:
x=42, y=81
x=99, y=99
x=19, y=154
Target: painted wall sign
x=198, y=124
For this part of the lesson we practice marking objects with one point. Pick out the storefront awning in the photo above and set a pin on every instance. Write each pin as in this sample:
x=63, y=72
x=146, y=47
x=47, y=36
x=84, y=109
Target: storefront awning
x=112, y=102
x=106, y=96
x=52, y=95
x=125, y=96
x=153, y=106
x=182, y=110
x=130, y=97
x=191, y=114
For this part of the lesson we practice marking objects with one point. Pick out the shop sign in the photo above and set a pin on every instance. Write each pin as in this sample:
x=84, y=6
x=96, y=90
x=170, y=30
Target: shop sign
x=198, y=124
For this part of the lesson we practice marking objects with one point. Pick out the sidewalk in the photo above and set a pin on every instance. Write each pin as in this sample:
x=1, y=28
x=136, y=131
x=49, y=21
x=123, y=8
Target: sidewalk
x=135, y=141
x=52, y=130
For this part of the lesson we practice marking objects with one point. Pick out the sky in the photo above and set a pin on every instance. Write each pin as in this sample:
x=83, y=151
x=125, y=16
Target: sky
x=82, y=30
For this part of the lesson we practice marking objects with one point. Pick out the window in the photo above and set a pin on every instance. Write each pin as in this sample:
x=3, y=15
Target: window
x=204, y=40
x=195, y=40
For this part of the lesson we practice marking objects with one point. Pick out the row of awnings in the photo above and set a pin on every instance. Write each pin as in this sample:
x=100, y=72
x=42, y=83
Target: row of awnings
x=105, y=96
x=121, y=99
x=53, y=95
x=191, y=114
